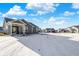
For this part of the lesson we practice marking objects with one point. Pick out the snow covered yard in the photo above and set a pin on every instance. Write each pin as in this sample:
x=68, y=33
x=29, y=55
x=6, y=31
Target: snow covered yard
x=46, y=44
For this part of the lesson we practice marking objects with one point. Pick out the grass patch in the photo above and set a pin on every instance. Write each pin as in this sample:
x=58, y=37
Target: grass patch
x=2, y=34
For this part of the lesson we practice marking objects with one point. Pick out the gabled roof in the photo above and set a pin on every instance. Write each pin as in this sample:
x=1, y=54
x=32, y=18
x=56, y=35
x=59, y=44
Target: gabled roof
x=33, y=25
x=77, y=26
x=14, y=20
x=29, y=23
x=19, y=21
x=8, y=19
x=24, y=21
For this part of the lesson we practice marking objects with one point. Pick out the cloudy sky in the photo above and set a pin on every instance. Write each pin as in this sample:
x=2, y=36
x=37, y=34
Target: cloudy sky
x=44, y=15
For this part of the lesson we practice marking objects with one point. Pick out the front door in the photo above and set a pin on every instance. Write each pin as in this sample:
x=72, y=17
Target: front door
x=15, y=29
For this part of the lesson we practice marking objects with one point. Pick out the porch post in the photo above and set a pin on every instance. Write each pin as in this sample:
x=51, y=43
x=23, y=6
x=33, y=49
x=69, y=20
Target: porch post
x=10, y=29
x=19, y=30
x=23, y=29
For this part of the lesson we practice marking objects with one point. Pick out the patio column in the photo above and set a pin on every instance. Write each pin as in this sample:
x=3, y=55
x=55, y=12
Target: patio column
x=20, y=29
x=10, y=29
x=24, y=29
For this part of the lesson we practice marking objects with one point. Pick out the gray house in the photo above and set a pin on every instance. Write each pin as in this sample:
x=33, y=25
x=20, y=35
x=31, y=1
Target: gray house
x=72, y=29
x=12, y=26
x=64, y=30
x=51, y=30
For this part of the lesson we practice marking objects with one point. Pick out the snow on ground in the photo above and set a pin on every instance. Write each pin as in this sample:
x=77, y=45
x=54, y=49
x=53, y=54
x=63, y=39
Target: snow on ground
x=45, y=44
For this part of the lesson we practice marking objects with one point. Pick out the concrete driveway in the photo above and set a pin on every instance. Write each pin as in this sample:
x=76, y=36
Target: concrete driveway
x=48, y=44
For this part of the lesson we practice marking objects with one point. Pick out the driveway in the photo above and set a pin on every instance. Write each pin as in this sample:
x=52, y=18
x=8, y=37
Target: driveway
x=48, y=44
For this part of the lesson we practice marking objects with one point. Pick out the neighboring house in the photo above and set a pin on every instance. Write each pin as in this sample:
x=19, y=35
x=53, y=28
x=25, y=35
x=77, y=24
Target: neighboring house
x=12, y=26
x=69, y=29
x=65, y=30
x=52, y=30
x=72, y=29
x=75, y=29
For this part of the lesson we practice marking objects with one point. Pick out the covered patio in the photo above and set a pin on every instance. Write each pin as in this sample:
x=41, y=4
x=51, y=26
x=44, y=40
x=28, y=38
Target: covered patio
x=16, y=27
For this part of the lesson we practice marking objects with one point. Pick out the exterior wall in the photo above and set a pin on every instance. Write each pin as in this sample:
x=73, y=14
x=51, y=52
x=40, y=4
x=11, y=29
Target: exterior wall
x=37, y=29
x=32, y=30
x=28, y=29
x=7, y=28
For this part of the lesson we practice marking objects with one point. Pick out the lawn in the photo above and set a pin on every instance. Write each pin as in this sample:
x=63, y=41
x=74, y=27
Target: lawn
x=2, y=34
